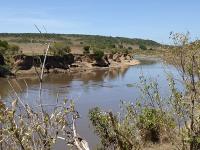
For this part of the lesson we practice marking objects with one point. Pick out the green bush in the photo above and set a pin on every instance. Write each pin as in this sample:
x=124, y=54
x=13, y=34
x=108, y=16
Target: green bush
x=98, y=54
x=7, y=49
x=4, y=70
x=60, y=48
x=130, y=48
x=13, y=49
x=142, y=47
x=152, y=123
x=4, y=44
x=86, y=49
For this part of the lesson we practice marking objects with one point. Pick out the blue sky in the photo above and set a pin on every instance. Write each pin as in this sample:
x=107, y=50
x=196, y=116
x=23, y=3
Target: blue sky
x=149, y=19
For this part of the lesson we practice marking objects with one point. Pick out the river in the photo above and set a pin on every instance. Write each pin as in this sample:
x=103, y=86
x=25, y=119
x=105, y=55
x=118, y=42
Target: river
x=103, y=88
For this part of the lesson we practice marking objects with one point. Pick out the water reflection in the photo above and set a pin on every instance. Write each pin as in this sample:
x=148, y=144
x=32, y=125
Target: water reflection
x=94, y=77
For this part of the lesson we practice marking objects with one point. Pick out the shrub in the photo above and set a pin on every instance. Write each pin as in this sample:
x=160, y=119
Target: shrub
x=121, y=46
x=4, y=44
x=139, y=124
x=98, y=54
x=60, y=48
x=86, y=49
x=152, y=124
x=125, y=51
x=4, y=70
x=142, y=47
x=130, y=48
x=13, y=49
x=7, y=49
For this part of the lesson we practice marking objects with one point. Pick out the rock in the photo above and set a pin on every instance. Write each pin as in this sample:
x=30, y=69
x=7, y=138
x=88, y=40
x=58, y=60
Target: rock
x=110, y=56
x=77, y=58
x=116, y=57
x=101, y=63
x=129, y=57
x=88, y=58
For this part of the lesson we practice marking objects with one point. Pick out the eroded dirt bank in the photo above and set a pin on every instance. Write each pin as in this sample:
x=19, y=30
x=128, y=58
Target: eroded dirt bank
x=24, y=64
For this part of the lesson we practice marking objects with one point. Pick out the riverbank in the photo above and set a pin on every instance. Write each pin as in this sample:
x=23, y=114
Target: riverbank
x=29, y=65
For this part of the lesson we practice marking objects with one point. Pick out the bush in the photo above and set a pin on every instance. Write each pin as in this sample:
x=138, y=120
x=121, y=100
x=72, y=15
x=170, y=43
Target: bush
x=4, y=70
x=151, y=49
x=86, y=49
x=130, y=48
x=121, y=46
x=13, y=49
x=152, y=124
x=4, y=44
x=144, y=122
x=142, y=47
x=7, y=49
x=98, y=54
x=60, y=48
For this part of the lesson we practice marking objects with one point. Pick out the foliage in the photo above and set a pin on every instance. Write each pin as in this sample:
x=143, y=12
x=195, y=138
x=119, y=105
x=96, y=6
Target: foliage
x=154, y=118
x=130, y=48
x=185, y=56
x=7, y=49
x=98, y=54
x=39, y=126
x=138, y=124
x=25, y=128
x=4, y=44
x=137, y=128
x=60, y=48
x=4, y=70
x=123, y=51
x=86, y=49
x=142, y=47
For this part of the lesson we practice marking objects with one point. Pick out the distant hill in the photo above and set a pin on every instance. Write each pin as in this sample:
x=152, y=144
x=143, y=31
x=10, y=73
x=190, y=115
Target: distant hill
x=32, y=41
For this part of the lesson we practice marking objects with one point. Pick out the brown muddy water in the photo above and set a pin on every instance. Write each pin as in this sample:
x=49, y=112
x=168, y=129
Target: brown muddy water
x=103, y=88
